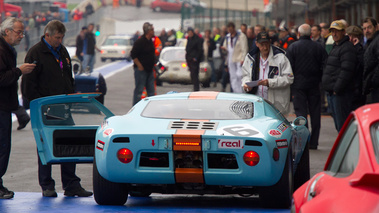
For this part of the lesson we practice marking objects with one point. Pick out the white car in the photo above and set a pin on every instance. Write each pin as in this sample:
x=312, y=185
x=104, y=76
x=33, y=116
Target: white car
x=172, y=67
x=116, y=47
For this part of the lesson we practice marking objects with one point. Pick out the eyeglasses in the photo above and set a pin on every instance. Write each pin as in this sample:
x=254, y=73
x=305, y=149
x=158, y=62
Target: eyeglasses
x=19, y=32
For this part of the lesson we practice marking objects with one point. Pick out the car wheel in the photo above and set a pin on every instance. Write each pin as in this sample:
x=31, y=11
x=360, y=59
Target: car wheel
x=76, y=65
x=107, y=192
x=280, y=194
x=158, y=82
x=302, y=173
x=139, y=194
x=206, y=84
x=103, y=59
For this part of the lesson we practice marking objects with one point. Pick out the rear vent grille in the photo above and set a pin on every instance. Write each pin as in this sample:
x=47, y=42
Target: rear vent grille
x=198, y=125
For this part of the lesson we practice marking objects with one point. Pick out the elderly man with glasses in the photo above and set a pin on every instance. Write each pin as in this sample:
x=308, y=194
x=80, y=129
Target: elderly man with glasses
x=12, y=32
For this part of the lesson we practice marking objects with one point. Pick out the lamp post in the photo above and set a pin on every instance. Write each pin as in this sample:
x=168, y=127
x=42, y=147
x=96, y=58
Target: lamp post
x=211, y=15
x=226, y=11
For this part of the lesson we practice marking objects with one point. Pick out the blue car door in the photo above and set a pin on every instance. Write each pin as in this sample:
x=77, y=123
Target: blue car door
x=64, y=127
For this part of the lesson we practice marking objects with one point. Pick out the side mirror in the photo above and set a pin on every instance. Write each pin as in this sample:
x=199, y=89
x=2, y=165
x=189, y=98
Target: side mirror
x=300, y=121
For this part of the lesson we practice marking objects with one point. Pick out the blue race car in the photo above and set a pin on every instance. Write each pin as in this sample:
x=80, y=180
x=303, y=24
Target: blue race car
x=179, y=143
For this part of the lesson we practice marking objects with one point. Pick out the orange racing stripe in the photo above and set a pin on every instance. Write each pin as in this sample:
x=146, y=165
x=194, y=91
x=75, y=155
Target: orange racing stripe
x=203, y=95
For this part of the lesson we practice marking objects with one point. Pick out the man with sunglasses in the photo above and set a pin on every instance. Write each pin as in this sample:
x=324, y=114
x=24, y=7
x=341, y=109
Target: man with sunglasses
x=12, y=32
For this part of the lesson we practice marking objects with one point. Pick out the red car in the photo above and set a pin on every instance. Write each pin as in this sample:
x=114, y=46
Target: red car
x=350, y=180
x=166, y=5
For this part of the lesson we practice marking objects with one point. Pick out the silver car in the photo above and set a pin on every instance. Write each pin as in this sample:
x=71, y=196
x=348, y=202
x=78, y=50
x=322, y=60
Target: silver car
x=116, y=47
x=172, y=67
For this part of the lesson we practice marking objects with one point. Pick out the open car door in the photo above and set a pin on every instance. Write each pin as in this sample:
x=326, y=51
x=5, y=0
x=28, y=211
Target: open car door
x=64, y=126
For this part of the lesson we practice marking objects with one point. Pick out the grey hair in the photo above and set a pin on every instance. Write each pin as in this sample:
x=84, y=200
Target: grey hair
x=8, y=24
x=305, y=30
x=147, y=27
x=54, y=27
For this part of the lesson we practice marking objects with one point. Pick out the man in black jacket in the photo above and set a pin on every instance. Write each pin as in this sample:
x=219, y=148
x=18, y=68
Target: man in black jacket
x=339, y=72
x=194, y=55
x=143, y=55
x=12, y=32
x=307, y=59
x=371, y=64
x=52, y=76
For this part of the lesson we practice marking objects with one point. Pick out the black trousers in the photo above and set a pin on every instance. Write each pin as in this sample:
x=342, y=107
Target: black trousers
x=5, y=142
x=194, y=67
x=69, y=179
x=308, y=101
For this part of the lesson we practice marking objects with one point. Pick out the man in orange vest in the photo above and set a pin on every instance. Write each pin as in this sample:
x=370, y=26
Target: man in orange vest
x=285, y=39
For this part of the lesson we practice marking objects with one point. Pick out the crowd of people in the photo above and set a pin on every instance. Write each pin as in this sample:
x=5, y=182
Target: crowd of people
x=324, y=68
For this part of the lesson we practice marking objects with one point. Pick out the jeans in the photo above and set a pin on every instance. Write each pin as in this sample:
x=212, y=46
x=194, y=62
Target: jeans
x=143, y=79
x=340, y=106
x=88, y=62
x=5, y=142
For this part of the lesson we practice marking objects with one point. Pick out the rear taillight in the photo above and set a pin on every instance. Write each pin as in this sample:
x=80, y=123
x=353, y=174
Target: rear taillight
x=102, y=51
x=251, y=158
x=123, y=52
x=125, y=155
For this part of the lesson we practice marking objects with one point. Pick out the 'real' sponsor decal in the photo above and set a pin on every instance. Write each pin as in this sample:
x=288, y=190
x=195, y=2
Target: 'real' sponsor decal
x=100, y=145
x=107, y=132
x=243, y=130
x=282, y=127
x=283, y=143
x=275, y=133
x=230, y=144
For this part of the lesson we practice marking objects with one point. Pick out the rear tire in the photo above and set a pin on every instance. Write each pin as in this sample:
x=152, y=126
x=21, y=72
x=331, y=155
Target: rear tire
x=106, y=192
x=280, y=194
x=302, y=173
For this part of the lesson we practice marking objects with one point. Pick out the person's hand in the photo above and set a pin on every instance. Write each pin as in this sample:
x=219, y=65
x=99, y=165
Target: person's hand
x=263, y=82
x=27, y=68
x=246, y=88
x=81, y=54
x=140, y=68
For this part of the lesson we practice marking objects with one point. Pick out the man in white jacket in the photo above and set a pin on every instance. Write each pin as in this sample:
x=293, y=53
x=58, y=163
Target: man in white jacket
x=269, y=66
x=236, y=46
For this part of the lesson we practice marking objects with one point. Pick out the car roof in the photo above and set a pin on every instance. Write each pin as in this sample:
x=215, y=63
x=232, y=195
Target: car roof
x=120, y=36
x=206, y=95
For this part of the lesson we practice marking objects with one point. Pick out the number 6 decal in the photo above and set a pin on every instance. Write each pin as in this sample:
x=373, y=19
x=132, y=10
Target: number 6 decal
x=243, y=130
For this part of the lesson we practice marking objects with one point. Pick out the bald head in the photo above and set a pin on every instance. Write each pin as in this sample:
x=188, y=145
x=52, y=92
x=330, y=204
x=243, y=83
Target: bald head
x=305, y=30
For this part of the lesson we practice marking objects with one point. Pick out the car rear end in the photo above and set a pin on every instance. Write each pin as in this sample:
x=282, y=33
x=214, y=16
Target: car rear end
x=208, y=156
x=116, y=48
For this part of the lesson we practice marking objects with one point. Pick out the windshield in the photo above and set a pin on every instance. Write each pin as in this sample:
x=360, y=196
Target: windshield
x=199, y=109
x=117, y=42
x=173, y=55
